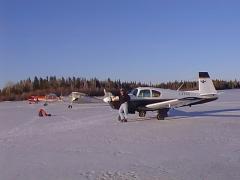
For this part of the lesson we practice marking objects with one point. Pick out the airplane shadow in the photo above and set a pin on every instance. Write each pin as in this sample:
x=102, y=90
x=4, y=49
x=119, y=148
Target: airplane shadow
x=179, y=114
x=139, y=119
x=211, y=113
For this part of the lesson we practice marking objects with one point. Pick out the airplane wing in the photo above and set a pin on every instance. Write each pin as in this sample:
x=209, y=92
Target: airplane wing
x=173, y=103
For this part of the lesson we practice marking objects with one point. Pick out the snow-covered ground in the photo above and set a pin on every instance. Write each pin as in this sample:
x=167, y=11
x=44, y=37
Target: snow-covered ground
x=87, y=143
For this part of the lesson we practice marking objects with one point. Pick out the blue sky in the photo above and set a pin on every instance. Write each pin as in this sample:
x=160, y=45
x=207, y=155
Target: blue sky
x=142, y=40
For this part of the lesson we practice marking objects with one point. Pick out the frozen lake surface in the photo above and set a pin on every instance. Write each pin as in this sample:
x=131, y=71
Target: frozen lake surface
x=87, y=142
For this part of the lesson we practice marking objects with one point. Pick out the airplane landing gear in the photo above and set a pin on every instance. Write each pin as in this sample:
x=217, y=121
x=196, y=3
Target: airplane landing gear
x=162, y=114
x=142, y=113
x=160, y=117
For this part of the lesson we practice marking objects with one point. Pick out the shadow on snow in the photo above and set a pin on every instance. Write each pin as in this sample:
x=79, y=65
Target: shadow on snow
x=211, y=113
x=179, y=114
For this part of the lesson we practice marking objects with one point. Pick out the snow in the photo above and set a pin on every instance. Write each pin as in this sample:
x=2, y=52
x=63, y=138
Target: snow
x=87, y=142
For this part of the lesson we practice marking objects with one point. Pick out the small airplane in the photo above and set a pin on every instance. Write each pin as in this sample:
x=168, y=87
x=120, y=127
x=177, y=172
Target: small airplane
x=143, y=99
x=74, y=97
x=35, y=99
x=48, y=98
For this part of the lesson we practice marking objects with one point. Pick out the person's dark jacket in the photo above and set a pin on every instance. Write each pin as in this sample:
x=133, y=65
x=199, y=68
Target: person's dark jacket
x=124, y=98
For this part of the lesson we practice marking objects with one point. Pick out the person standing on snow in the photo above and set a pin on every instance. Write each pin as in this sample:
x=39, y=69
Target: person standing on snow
x=123, y=110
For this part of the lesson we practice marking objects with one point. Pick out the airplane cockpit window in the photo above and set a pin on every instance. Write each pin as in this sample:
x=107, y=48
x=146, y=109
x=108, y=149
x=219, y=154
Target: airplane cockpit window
x=134, y=92
x=144, y=93
x=155, y=93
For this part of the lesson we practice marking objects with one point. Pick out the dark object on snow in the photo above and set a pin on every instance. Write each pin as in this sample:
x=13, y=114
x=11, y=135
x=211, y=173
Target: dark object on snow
x=42, y=113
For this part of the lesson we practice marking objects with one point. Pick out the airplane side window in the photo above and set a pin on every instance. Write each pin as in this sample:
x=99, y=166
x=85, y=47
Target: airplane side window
x=134, y=92
x=144, y=93
x=155, y=93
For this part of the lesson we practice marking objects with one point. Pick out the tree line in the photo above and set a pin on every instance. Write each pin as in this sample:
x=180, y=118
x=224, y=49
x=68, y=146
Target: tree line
x=92, y=87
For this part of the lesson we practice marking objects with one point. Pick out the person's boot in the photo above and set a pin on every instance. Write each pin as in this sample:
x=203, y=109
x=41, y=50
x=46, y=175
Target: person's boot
x=119, y=119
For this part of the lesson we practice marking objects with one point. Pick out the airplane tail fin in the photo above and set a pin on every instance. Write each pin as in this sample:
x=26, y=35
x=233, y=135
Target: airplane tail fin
x=206, y=86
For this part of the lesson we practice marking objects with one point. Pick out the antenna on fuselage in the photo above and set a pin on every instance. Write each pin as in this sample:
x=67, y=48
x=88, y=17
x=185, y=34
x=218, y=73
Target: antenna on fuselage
x=180, y=86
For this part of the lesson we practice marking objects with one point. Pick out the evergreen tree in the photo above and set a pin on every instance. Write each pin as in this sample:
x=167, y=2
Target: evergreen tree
x=35, y=83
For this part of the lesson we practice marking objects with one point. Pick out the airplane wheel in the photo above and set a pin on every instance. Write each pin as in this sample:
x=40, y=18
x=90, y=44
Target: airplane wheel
x=142, y=114
x=160, y=117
